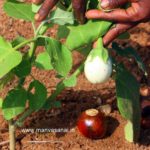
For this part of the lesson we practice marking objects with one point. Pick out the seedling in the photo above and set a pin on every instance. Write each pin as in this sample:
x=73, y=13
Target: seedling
x=58, y=56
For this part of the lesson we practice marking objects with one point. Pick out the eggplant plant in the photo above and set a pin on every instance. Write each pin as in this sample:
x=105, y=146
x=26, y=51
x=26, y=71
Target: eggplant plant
x=58, y=56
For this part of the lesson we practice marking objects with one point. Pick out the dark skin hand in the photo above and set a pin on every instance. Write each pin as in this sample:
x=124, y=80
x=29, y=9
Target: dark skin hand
x=45, y=8
x=124, y=18
x=79, y=7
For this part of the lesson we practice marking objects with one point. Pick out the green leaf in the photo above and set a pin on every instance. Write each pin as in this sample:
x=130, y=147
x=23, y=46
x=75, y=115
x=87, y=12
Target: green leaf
x=125, y=35
x=99, y=51
x=19, y=10
x=67, y=2
x=23, y=69
x=4, y=44
x=14, y=103
x=61, y=5
x=61, y=17
x=9, y=58
x=85, y=50
x=17, y=41
x=129, y=52
x=70, y=82
x=138, y=59
x=61, y=58
x=55, y=104
x=35, y=8
x=59, y=76
x=129, y=131
x=7, y=78
x=40, y=41
x=43, y=61
x=38, y=98
x=85, y=34
x=128, y=100
x=62, y=32
x=44, y=28
x=49, y=102
x=1, y=102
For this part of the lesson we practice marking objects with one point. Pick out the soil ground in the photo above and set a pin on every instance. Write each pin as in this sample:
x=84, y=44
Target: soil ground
x=75, y=100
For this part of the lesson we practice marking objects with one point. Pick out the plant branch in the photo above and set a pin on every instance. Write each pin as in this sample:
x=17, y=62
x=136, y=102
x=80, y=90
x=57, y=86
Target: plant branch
x=39, y=27
x=32, y=50
x=78, y=70
x=28, y=112
x=34, y=29
x=62, y=87
x=12, y=137
x=20, y=121
x=21, y=82
x=24, y=43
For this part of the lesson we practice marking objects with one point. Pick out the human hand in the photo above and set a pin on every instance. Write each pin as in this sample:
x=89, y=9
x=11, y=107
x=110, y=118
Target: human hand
x=124, y=18
x=79, y=8
x=45, y=8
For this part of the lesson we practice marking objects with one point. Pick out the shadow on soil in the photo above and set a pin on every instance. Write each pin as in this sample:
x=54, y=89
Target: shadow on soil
x=74, y=102
x=72, y=106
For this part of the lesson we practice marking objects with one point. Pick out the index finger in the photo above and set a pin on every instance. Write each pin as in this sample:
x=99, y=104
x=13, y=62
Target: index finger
x=119, y=15
x=45, y=9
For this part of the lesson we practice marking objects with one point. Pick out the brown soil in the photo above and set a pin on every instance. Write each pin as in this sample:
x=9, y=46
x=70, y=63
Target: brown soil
x=74, y=100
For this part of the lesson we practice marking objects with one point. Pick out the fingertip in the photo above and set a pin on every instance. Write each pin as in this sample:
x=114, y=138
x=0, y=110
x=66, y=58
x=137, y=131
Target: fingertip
x=87, y=14
x=106, y=41
x=34, y=1
x=37, y=2
x=37, y=17
x=95, y=44
x=92, y=14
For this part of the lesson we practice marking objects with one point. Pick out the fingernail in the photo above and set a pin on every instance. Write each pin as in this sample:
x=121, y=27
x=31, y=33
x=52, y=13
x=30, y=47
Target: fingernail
x=37, y=17
x=34, y=1
x=104, y=3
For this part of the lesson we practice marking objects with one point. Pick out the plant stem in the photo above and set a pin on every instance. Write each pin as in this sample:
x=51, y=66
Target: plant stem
x=100, y=43
x=12, y=135
x=38, y=31
x=69, y=8
x=78, y=70
x=20, y=121
x=28, y=112
x=62, y=87
x=31, y=56
x=33, y=44
x=34, y=29
x=39, y=27
x=24, y=43
x=32, y=50
x=21, y=82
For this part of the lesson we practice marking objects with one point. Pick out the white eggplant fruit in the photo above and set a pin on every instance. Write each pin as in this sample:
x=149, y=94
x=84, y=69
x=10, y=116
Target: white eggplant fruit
x=98, y=66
